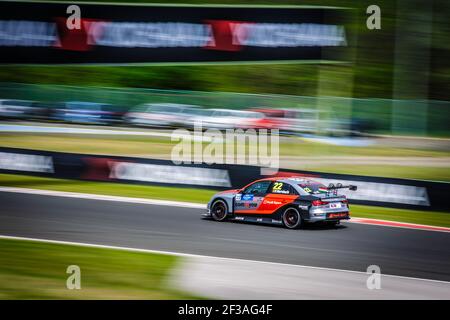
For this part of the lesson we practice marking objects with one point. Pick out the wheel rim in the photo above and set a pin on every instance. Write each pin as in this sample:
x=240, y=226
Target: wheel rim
x=291, y=218
x=219, y=211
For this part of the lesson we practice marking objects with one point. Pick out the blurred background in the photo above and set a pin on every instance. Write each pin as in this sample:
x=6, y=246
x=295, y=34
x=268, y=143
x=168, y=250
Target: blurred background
x=384, y=111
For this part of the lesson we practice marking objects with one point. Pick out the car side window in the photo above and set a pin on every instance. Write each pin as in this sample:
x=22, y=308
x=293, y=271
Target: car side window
x=282, y=188
x=258, y=188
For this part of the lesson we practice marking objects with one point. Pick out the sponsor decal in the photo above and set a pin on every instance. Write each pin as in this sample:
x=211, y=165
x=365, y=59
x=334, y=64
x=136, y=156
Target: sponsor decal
x=225, y=35
x=75, y=39
x=16, y=33
x=307, y=189
x=238, y=197
x=26, y=162
x=247, y=197
x=272, y=202
x=220, y=35
x=277, y=186
x=169, y=174
x=281, y=191
x=103, y=33
x=337, y=215
x=382, y=192
x=246, y=204
x=303, y=207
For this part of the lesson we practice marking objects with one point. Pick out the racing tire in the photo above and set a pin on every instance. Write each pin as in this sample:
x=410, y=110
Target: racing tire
x=219, y=210
x=291, y=218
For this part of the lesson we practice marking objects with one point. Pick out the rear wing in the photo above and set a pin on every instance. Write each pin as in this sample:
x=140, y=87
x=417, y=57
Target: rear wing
x=332, y=188
x=351, y=187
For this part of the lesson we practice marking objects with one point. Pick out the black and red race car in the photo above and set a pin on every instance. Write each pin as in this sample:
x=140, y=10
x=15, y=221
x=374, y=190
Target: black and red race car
x=287, y=201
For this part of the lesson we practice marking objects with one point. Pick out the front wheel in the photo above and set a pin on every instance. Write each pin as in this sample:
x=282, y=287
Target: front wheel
x=219, y=210
x=291, y=218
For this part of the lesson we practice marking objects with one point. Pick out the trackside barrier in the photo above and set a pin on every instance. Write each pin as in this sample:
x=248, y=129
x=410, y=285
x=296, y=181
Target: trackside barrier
x=400, y=193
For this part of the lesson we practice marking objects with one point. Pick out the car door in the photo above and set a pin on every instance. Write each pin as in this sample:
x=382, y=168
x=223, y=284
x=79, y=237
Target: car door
x=278, y=195
x=251, y=198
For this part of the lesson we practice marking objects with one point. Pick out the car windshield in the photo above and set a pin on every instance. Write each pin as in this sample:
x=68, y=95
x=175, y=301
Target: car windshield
x=313, y=188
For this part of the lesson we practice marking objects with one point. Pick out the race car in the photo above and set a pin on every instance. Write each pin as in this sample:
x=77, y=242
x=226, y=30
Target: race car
x=289, y=201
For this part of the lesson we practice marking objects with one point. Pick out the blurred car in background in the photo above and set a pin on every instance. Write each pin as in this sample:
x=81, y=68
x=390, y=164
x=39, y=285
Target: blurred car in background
x=193, y=116
x=26, y=110
x=89, y=113
x=228, y=119
x=15, y=109
x=293, y=120
x=311, y=121
x=160, y=115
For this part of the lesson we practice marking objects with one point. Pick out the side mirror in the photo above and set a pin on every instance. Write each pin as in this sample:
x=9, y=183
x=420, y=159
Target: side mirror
x=353, y=188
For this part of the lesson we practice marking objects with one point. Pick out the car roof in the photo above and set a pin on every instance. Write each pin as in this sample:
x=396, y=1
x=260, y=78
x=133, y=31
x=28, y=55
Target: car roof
x=291, y=179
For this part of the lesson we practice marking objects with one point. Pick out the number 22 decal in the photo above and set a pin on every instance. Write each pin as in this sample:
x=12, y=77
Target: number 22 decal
x=277, y=186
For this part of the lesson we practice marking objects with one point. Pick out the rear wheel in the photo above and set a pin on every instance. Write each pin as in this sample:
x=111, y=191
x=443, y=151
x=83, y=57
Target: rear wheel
x=291, y=218
x=219, y=210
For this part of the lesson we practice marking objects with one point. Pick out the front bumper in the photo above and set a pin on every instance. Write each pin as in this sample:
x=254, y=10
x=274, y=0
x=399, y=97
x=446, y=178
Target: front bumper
x=207, y=212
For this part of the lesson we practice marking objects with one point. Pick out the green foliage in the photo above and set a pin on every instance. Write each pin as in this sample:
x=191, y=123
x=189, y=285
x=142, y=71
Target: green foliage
x=37, y=270
x=372, y=70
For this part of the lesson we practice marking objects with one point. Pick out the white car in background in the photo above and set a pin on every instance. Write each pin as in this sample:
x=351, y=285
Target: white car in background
x=226, y=119
x=14, y=109
x=158, y=114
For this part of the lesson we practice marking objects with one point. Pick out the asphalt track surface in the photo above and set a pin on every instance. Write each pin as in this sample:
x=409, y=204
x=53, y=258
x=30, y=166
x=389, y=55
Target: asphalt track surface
x=397, y=251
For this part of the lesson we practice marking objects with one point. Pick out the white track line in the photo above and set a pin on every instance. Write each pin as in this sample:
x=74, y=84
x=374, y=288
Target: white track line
x=89, y=196
x=397, y=224
x=104, y=197
x=179, y=254
x=91, y=131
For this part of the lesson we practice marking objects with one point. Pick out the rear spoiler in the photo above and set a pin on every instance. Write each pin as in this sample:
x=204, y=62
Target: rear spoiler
x=351, y=187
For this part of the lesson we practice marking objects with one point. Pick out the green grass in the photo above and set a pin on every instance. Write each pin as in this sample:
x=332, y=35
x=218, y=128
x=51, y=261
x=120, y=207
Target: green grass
x=432, y=218
x=37, y=270
x=140, y=146
x=391, y=171
x=202, y=196
x=105, y=188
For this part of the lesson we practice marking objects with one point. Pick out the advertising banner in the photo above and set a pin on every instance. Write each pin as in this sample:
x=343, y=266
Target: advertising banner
x=70, y=33
x=390, y=192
